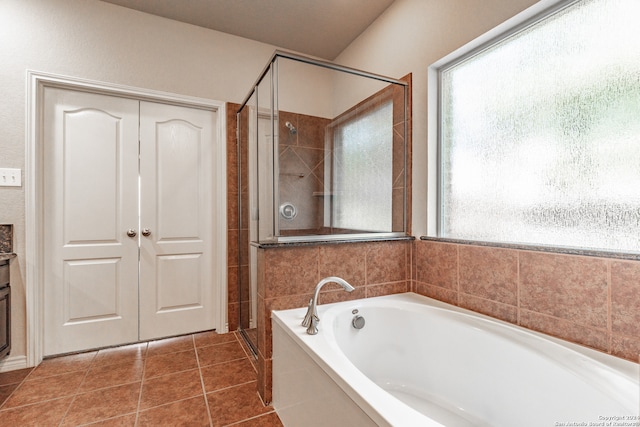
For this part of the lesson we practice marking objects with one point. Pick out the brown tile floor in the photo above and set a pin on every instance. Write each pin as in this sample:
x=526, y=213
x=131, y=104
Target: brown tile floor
x=203, y=379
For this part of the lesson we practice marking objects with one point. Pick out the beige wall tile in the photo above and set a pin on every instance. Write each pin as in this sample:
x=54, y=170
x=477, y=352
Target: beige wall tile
x=626, y=347
x=437, y=264
x=436, y=292
x=345, y=261
x=489, y=273
x=625, y=298
x=574, y=288
x=386, y=262
x=577, y=333
x=508, y=313
x=387, y=289
x=290, y=271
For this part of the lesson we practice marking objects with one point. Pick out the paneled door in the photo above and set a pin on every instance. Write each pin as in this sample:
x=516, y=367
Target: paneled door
x=175, y=207
x=126, y=220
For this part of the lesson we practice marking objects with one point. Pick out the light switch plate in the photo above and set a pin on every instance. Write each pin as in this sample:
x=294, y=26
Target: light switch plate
x=10, y=177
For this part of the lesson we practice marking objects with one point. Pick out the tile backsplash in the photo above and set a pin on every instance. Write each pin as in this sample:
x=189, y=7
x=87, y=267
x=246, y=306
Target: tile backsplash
x=288, y=276
x=588, y=300
x=6, y=238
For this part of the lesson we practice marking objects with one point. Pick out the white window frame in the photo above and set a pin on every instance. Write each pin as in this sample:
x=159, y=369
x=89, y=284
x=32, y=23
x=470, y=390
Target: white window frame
x=528, y=17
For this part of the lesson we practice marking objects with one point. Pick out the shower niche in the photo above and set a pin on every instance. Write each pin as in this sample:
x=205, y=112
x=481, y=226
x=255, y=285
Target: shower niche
x=322, y=157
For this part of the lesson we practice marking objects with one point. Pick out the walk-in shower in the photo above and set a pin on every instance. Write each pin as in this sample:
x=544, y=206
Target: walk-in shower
x=322, y=155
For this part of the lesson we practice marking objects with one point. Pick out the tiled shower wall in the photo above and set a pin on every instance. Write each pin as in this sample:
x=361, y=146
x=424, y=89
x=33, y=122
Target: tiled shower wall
x=588, y=300
x=233, y=228
x=302, y=157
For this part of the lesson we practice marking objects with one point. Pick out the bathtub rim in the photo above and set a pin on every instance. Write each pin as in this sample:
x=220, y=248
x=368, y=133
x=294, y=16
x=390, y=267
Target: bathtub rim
x=358, y=386
x=351, y=381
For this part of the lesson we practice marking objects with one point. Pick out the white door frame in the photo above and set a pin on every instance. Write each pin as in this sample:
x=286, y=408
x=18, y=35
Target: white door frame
x=34, y=287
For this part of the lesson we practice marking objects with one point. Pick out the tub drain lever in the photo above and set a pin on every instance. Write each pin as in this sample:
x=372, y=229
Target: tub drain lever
x=358, y=322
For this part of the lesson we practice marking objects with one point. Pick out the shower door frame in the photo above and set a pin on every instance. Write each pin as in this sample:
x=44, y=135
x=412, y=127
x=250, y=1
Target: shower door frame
x=276, y=239
x=272, y=67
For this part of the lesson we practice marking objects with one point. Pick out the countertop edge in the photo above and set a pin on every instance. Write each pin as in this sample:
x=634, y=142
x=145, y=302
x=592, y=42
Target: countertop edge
x=7, y=256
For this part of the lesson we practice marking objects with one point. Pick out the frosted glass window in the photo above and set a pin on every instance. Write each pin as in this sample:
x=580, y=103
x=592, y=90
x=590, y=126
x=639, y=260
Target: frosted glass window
x=363, y=172
x=540, y=133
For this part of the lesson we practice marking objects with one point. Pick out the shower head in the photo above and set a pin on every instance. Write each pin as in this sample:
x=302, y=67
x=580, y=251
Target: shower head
x=292, y=128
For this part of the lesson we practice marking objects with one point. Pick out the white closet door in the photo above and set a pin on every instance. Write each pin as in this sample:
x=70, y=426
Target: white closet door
x=176, y=161
x=91, y=200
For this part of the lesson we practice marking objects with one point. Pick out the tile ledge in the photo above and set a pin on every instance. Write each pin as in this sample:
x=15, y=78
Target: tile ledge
x=540, y=248
x=330, y=242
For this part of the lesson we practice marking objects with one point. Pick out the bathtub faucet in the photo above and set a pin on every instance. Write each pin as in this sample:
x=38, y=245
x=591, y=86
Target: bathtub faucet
x=311, y=319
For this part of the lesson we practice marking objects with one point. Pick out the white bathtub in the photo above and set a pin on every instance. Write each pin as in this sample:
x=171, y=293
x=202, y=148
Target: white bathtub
x=420, y=362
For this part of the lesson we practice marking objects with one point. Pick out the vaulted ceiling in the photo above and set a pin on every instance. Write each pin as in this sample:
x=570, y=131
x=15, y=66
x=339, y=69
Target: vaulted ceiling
x=321, y=28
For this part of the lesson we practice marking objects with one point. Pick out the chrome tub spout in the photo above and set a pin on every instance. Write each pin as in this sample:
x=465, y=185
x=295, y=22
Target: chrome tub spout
x=311, y=319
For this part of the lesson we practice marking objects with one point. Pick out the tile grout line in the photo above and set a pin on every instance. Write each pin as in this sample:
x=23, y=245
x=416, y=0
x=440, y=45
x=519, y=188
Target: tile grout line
x=251, y=418
x=73, y=399
x=204, y=391
x=244, y=346
x=239, y=341
x=84, y=377
x=94, y=422
x=2, y=408
x=144, y=368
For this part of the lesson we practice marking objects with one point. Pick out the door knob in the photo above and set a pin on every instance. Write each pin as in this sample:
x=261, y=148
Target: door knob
x=131, y=232
x=146, y=232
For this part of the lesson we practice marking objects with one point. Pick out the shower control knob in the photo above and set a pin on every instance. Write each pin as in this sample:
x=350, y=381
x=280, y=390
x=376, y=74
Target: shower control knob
x=288, y=211
x=131, y=232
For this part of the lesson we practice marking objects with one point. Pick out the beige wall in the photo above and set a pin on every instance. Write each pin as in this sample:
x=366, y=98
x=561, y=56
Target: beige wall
x=99, y=41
